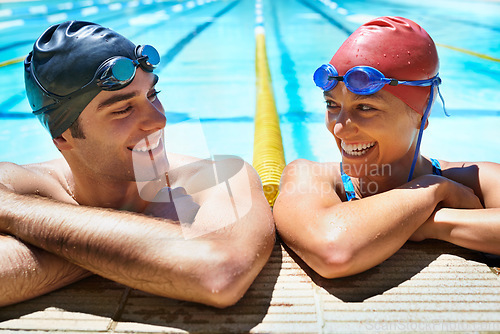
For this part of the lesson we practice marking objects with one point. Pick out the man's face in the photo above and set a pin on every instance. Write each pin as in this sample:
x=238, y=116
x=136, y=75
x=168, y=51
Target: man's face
x=123, y=130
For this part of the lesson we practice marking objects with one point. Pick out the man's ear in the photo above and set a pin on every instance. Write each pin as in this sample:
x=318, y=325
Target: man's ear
x=62, y=143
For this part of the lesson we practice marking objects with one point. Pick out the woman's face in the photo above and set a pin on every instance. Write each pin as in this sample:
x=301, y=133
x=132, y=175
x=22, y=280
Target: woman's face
x=371, y=131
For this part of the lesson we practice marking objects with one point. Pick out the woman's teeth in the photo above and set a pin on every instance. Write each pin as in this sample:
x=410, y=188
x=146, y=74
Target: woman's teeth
x=356, y=149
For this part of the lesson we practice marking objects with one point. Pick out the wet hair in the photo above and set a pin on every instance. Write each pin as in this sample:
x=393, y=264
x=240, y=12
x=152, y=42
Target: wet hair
x=76, y=130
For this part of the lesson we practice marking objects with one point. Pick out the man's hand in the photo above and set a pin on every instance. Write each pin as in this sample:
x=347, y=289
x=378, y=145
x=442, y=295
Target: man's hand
x=174, y=204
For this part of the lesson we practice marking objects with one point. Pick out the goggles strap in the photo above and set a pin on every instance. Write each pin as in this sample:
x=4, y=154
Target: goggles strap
x=442, y=101
x=421, y=131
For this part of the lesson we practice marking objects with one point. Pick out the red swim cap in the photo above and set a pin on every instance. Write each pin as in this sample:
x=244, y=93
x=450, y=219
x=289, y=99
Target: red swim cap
x=397, y=47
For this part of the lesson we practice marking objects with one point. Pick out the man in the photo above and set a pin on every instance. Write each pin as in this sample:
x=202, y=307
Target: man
x=344, y=218
x=115, y=205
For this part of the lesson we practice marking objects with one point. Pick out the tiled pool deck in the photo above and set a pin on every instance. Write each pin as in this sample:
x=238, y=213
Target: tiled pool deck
x=430, y=286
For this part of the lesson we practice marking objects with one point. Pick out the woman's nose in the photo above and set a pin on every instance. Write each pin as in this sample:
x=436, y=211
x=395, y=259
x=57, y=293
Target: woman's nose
x=344, y=125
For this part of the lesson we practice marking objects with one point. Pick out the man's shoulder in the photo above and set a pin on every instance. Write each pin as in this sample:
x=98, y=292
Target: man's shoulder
x=196, y=173
x=182, y=166
x=43, y=178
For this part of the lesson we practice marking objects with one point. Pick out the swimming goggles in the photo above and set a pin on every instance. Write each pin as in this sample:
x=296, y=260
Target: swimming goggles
x=363, y=80
x=113, y=74
x=117, y=72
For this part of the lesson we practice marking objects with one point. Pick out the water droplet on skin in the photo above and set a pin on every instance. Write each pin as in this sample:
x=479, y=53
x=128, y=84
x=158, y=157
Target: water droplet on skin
x=409, y=63
x=397, y=56
x=409, y=53
x=385, y=55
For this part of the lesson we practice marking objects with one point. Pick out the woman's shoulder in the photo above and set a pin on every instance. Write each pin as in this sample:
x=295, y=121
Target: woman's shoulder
x=468, y=168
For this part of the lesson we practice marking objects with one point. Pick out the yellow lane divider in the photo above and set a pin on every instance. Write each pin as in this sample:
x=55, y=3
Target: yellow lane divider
x=12, y=61
x=472, y=53
x=268, y=154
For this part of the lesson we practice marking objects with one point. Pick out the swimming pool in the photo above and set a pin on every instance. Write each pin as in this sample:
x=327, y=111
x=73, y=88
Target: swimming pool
x=207, y=75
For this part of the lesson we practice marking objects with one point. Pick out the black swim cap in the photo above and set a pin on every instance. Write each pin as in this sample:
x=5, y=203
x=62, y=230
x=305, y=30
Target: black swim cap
x=64, y=59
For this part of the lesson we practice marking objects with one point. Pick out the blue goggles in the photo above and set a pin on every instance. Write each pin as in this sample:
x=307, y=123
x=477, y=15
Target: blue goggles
x=113, y=74
x=366, y=80
x=363, y=80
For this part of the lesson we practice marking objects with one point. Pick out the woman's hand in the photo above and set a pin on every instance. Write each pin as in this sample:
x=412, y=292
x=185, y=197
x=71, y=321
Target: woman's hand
x=456, y=195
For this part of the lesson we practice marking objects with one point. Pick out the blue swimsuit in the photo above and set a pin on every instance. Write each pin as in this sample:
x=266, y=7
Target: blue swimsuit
x=349, y=188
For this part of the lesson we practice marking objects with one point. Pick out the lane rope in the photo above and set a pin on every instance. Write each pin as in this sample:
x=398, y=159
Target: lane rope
x=472, y=53
x=268, y=153
x=12, y=61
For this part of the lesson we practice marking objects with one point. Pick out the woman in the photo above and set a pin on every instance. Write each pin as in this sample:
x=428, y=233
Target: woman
x=344, y=218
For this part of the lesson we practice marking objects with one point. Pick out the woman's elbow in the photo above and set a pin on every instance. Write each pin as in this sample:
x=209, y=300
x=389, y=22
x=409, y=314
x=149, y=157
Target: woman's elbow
x=332, y=258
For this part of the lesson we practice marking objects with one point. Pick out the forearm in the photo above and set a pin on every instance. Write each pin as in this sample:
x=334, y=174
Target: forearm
x=368, y=231
x=474, y=229
x=138, y=251
x=27, y=271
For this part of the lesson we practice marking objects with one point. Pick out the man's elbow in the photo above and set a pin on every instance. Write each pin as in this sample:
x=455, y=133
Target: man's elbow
x=226, y=284
x=234, y=272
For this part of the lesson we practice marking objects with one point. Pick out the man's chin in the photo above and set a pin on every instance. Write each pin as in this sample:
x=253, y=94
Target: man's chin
x=147, y=169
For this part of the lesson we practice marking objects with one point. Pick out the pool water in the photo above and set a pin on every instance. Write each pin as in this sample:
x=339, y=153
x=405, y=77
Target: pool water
x=207, y=73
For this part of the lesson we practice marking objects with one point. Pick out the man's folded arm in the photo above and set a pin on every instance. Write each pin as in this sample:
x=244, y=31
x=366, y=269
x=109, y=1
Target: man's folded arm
x=147, y=253
x=27, y=271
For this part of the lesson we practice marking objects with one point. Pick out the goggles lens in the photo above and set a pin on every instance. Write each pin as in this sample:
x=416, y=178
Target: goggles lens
x=149, y=55
x=364, y=80
x=123, y=69
x=322, y=77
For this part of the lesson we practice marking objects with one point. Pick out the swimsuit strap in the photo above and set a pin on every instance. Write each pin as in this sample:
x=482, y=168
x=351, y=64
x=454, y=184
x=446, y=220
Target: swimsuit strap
x=348, y=186
x=436, y=167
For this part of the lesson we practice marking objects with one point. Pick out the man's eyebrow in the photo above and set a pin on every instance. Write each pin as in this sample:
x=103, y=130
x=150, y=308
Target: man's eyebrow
x=115, y=99
x=122, y=97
